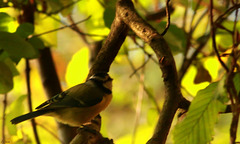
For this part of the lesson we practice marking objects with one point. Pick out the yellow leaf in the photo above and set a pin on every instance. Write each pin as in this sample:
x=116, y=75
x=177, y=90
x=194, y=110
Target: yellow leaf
x=77, y=69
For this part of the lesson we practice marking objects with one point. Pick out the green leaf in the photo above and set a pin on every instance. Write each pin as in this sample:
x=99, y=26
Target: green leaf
x=16, y=47
x=236, y=81
x=3, y=55
x=6, y=78
x=175, y=37
x=109, y=12
x=5, y=59
x=36, y=42
x=25, y=29
x=224, y=40
x=198, y=125
x=12, y=66
x=5, y=19
x=108, y=16
x=15, y=109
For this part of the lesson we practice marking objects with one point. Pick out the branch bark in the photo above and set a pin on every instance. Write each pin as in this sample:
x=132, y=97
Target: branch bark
x=28, y=16
x=111, y=46
x=102, y=63
x=126, y=16
x=166, y=62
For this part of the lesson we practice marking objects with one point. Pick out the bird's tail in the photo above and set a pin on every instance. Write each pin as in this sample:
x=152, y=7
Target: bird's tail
x=30, y=115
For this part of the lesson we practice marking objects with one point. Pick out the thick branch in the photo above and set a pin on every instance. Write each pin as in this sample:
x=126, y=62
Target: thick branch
x=102, y=63
x=166, y=62
x=111, y=47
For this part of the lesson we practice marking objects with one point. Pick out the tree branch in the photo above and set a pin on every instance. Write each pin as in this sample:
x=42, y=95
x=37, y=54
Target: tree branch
x=102, y=63
x=159, y=14
x=213, y=31
x=29, y=95
x=166, y=62
x=111, y=46
x=168, y=18
x=3, y=140
x=28, y=16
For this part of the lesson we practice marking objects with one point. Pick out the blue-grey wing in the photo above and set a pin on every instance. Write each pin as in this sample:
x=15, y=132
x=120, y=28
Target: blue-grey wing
x=82, y=95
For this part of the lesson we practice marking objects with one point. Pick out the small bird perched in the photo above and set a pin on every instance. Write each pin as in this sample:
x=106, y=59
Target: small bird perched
x=77, y=105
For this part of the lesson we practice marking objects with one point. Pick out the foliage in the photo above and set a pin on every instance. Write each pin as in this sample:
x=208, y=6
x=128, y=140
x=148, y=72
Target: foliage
x=205, y=82
x=197, y=127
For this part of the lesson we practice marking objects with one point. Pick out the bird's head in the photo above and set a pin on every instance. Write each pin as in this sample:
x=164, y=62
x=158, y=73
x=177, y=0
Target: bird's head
x=102, y=78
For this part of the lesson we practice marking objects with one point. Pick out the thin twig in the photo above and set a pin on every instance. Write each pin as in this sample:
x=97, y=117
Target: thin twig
x=190, y=33
x=224, y=28
x=142, y=47
x=234, y=28
x=195, y=12
x=3, y=140
x=49, y=131
x=57, y=20
x=227, y=13
x=78, y=30
x=30, y=101
x=168, y=18
x=188, y=62
x=199, y=20
x=140, y=67
x=145, y=88
x=139, y=105
x=235, y=100
x=59, y=10
x=213, y=31
x=63, y=27
x=185, y=18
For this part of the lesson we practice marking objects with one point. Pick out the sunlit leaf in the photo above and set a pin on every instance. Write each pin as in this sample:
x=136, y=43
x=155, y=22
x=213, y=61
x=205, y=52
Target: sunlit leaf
x=16, y=109
x=6, y=78
x=4, y=21
x=198, y=125
x=236, y=81
x=224, y=40
x=25, y=29
x=94, y=9
x=77, y=69
x=16, y=46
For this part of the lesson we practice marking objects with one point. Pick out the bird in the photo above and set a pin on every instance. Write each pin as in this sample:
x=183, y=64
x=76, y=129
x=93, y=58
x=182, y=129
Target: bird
x=77, y=105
